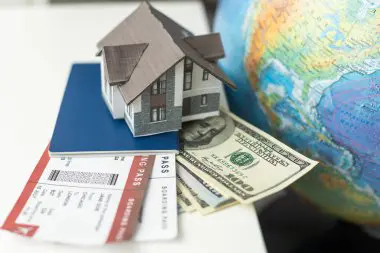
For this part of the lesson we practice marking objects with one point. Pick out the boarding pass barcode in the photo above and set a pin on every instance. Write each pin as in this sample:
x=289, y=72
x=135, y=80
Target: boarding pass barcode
x=83, y=177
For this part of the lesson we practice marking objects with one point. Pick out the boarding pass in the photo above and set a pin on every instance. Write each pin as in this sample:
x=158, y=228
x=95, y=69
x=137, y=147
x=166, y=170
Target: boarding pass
x=98, y=200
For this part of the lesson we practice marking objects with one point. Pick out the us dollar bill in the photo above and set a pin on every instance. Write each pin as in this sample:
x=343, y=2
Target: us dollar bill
x=186, y=191
x=207, y=198
x=238, y=159
x=200, y=205
x=184, y=202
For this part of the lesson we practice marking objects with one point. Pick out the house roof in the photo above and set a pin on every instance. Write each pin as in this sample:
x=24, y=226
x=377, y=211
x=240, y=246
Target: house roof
x=166, y=47
x=121, y=61
x=209, y=46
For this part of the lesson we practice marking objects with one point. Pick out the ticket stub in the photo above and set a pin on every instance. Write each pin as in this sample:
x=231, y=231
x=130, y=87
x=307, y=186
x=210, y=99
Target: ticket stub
x=159, y=212
x=88, y=201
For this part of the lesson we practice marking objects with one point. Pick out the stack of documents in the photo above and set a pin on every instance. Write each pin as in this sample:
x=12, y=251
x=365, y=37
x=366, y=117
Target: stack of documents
x=96, y=184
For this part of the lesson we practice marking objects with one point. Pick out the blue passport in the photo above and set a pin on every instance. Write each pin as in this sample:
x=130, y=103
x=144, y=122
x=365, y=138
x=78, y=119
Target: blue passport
x=85, y=126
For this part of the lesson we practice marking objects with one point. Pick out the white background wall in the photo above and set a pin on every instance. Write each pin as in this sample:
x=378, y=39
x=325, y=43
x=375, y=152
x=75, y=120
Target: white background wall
x=30, y=2
x=25, y=2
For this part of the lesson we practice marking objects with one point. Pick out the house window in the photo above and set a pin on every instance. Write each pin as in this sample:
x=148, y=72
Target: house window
x=158, y=114
x=162, y=84
x=155, y=88
x=205, y=75
x=162, y=113
x=188, y=64
x=188, y=77
x=159, y=86
x=203, y=100
x=154, y=114
x=188, y=72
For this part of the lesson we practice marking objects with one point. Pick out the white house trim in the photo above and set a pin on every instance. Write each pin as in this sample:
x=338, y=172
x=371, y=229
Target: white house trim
x=178, y=83
x=107, y=104
x=102, y=75
x=129, y=116
x=198, y=92
x=118, y=103
x=200, y=116
x=129, y=123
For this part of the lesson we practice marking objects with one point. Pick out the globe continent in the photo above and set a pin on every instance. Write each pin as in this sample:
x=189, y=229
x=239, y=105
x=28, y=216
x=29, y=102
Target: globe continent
x=308, y=72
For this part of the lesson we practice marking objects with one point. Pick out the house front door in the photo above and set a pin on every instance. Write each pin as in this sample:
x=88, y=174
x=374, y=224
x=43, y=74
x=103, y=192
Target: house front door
x=186, y=106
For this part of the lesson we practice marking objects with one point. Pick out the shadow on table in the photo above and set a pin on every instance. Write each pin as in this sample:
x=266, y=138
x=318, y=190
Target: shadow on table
x=291, y=225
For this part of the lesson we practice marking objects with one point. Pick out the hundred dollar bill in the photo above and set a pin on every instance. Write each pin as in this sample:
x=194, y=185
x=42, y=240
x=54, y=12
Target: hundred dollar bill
x=187, y=193
x=238, y=159
x=199, y=204
x=184, y=202
x=207, y=198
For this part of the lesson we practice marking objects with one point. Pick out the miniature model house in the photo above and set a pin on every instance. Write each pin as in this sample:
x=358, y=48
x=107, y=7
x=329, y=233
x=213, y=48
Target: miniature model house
x=156, y=75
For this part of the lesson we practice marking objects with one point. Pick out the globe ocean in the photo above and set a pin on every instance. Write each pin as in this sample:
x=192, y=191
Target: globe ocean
x=308, y=72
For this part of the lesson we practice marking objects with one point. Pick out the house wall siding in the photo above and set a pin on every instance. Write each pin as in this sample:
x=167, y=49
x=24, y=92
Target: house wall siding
x=102, y=75
x=105, y=86
x=196, y=107
x=178, y=83
x=118, y=103
x=142, y=120
x=137, y=104
x=111, y=94
x=200, y=86
x=199, y=83
x=192, y=98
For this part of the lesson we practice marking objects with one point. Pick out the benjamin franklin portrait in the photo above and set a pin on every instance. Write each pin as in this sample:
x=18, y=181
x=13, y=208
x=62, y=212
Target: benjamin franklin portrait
x=206, y=133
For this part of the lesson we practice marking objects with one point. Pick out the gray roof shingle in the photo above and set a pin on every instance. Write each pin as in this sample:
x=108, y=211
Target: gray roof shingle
x=121, y=61
x=209, y=46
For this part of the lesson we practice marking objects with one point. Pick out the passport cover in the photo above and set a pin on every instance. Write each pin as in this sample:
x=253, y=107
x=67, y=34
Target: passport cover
x=85, y=125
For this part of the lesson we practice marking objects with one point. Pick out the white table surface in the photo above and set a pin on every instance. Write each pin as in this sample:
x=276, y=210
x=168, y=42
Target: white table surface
x=38, y=46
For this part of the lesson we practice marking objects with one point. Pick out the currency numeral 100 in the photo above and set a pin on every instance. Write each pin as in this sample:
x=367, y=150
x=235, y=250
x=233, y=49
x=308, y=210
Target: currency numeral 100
x=240, y=182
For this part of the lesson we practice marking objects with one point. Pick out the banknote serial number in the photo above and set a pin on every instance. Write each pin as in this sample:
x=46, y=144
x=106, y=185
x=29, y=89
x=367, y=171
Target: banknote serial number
x=275, y=147
x=214, y=174
x=261, y=150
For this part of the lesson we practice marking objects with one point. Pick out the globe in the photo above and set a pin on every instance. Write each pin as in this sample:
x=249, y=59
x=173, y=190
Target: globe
x=308, y=72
